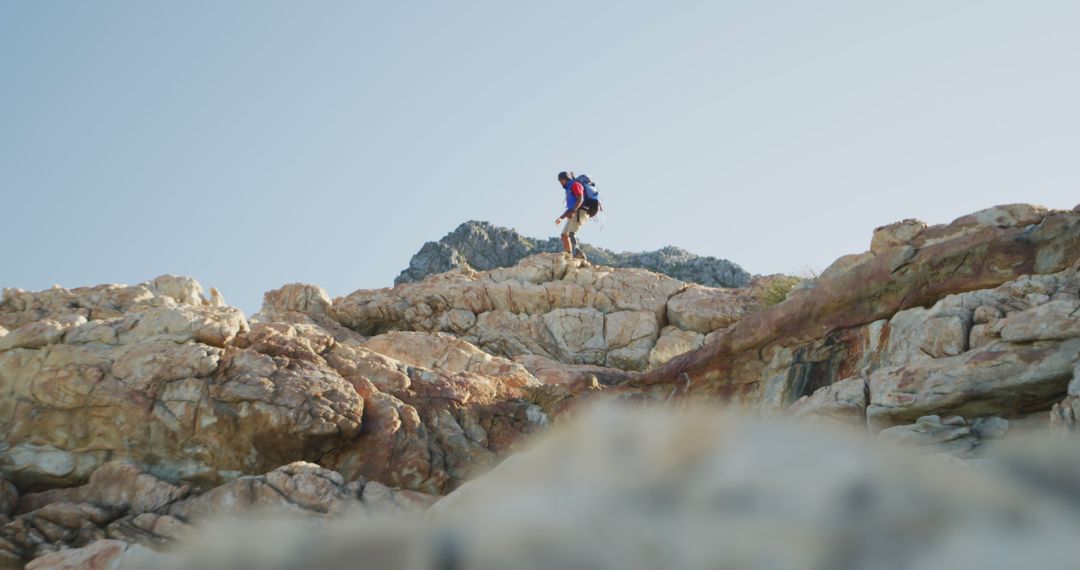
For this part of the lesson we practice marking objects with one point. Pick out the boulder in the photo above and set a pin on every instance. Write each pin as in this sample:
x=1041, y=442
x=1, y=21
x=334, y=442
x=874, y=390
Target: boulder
x=674, y=341
x=843, y=402
x=897, y=234
x=986, y=381
x=305, y=306
x=298, y=488
x=55, y=527
x=703, y=309
x=117, y=484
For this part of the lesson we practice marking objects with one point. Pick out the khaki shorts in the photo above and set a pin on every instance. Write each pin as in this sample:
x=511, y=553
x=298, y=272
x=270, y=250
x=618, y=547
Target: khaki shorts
x=577, y=219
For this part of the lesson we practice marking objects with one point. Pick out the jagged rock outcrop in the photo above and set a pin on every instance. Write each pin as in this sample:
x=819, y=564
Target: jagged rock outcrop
x=973, y=318
x=549, y=306
x=200, y=395
x=482, y=246
x=126, y=413
x=163, y=384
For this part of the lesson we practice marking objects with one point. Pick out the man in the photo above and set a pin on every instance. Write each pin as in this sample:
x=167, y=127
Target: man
x=575, y=215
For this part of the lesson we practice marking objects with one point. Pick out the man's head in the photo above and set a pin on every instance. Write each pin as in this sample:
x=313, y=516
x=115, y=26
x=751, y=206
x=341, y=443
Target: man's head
x=564, y=178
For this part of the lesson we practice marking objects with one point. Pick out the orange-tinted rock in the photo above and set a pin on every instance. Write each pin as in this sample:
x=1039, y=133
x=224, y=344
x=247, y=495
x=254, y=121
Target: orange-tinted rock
x=976, y=252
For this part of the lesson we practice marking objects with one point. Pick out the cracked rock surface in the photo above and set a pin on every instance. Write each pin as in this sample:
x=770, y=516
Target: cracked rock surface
x=130, y=413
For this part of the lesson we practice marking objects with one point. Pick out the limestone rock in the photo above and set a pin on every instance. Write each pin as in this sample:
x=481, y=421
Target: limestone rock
x=445, y=352
x=1055, y=320
x=845, y=263
x=297, y=297
x=482, y=246
x=41, y=333
x=674, y=341
x=303, y=305
x=980, y=382
x=544, y=306
x=297, y=488
x=437, y=430
x=117, y=484
x=549, y=371
x=18, y=307
x=896, y=235
x=161, y=385
x=703, y=310
x=843, y=402
x=54, y=527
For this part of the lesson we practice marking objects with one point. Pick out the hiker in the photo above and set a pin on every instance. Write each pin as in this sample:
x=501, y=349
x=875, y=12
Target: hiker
x=581, y=203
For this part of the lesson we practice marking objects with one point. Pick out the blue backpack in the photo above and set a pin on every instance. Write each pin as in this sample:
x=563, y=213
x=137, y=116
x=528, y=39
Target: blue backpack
x=592, y=197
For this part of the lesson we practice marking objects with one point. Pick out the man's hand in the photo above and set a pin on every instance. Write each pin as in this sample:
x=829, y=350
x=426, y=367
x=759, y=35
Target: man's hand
x=559, y=219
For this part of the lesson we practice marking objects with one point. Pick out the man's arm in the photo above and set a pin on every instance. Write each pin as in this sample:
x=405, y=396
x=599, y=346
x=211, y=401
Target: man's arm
x=579, y=192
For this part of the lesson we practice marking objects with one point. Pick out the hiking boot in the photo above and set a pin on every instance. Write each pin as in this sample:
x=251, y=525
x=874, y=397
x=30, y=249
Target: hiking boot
x=580, y=255
x=566, y=256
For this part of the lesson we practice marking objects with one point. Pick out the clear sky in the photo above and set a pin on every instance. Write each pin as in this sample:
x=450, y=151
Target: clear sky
x=253, y=144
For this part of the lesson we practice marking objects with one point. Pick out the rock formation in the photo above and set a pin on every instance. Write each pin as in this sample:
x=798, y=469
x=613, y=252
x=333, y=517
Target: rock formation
x=482, y=246
x=124, y=505
x=972, y=318
x=128, y=414
x=553, y=307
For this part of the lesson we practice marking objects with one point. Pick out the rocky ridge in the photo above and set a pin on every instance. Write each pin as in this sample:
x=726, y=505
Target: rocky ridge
x=128, y=413
x=482, y=246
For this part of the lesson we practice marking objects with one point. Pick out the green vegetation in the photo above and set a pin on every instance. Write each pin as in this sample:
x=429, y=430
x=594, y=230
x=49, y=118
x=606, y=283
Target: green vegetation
x=776, y=289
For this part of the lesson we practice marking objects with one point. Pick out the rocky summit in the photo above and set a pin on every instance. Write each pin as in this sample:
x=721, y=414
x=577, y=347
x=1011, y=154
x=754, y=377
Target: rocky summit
x=483, y=246
x=888, y=396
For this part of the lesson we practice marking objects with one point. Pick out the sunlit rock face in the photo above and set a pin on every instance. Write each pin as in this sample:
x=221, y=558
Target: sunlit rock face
x=200, y=395
x=131, y=416
x=546, y=305
x=988, y=297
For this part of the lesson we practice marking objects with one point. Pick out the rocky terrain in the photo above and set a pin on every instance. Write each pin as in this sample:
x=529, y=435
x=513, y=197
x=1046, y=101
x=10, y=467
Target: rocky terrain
x=482, y=246
x=130, y=416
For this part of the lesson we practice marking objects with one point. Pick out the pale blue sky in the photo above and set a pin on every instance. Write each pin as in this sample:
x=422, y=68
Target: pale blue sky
x=252, y=144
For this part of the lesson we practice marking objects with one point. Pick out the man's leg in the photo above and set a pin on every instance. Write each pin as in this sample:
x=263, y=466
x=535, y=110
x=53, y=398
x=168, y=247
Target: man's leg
x=579, y=220
x=566, y=238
